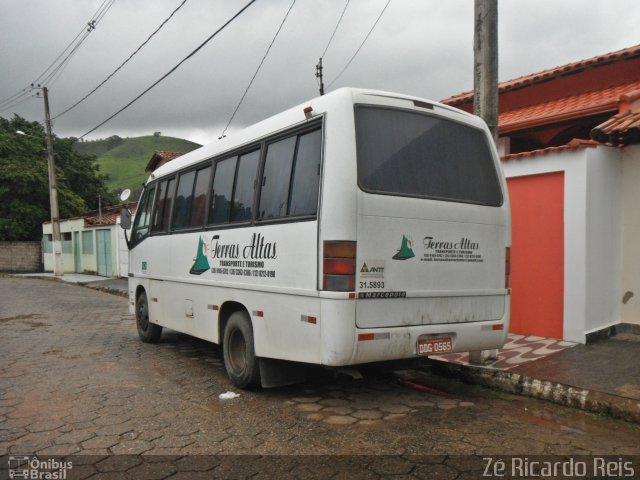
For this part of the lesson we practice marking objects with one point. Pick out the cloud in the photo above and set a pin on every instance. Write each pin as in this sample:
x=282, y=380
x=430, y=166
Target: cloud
x=423, y=48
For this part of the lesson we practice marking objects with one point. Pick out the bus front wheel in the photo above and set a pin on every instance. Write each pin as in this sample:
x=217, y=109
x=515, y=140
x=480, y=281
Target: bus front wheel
x=238, y=350
x=147, y=331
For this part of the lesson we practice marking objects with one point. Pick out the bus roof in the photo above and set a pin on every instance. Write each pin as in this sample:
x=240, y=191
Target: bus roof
x=286, y=119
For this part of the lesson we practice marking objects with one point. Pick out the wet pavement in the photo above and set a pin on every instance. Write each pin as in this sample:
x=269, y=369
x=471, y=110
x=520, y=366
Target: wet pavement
x=75, y=380
x=602, y=377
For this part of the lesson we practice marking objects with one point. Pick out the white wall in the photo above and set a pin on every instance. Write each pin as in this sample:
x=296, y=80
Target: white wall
x=573, y=164
x=630, y=311
x=68, y=259
x=593, y=223
x=122, y=251
x=604, y=237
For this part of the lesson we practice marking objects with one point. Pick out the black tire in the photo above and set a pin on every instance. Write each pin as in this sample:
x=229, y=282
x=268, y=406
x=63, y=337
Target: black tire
x=147, y=331
x=238, y=350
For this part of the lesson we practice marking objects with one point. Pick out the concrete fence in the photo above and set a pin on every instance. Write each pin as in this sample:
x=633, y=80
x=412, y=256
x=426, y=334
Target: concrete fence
x=20, y=257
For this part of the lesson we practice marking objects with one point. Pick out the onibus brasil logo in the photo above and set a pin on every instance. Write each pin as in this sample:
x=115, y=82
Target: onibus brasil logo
x=405, y=252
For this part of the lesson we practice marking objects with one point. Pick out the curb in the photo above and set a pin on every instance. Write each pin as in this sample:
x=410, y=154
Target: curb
x=567, y=395
x=110, y=290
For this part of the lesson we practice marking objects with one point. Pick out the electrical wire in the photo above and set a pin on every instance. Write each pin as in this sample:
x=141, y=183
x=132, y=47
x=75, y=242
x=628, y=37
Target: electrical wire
x=335, y=29
x=123, y=63
x=55, y=74
x=16, y=103
x=75, y=43
x=257, y=70
x=361, y=45
x=15, y=97
x=48, y=73
x=196, y=50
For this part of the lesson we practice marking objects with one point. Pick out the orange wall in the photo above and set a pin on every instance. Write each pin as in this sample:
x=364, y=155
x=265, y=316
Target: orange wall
x=537, y=254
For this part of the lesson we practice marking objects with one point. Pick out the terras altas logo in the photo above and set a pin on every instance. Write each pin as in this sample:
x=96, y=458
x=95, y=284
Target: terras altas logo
x=405, y=252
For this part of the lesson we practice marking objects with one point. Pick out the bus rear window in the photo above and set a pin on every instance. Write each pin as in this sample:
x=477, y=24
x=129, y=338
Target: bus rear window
x=407, y=153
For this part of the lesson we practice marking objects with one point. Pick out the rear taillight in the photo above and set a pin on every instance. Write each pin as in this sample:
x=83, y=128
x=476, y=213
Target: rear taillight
x=507, y=268
x=339, y=266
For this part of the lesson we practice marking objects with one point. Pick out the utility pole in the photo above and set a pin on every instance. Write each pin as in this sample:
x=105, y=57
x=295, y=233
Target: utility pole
x=58, y=269
x=485, y=63
x=319, y=75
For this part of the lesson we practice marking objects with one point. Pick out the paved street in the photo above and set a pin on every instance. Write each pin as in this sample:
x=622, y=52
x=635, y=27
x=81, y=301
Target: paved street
x=75, y=379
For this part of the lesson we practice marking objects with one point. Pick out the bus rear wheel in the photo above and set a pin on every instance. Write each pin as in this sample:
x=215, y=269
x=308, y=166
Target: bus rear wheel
x=147, y=331
x=239, y=353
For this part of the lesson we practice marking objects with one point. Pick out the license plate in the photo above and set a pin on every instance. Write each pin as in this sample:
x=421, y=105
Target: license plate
x=434, y=346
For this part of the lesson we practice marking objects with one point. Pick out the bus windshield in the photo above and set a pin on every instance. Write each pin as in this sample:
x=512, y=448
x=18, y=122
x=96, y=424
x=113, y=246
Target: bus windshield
x=407, y=153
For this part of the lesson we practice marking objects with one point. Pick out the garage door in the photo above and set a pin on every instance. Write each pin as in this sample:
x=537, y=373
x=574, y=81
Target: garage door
x=537, y=254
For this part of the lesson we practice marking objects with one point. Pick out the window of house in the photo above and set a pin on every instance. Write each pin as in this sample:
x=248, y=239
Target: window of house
x=87, y=242
x=67, y=245
x=47, y=243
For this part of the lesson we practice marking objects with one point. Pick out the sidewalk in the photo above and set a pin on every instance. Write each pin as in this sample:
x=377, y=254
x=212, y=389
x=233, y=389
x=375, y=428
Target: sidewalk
x=115, y=286
x=602, y=377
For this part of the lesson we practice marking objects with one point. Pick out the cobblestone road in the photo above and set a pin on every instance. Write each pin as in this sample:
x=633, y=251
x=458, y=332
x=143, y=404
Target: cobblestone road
x=75, y=380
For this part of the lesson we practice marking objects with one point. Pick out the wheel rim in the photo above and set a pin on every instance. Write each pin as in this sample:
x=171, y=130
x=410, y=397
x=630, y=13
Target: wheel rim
x=143, y=315
x=237, y=351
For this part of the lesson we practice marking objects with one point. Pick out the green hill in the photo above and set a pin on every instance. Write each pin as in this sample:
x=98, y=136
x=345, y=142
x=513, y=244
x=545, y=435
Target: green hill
x=123, y=159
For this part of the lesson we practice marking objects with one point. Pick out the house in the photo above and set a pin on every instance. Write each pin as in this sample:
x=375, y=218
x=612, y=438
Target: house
x=570, y=144
x=159, y=158
x=92, y=243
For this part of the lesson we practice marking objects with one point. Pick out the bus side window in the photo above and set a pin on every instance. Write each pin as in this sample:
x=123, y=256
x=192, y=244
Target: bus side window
x=184, y=198
x=200, y=197
x=275, y=181
x=191, y=199
x=244, y=188
x=143, y=216
x=164, y=200
x=306, y=175
x=222, y=190
x=291, y=177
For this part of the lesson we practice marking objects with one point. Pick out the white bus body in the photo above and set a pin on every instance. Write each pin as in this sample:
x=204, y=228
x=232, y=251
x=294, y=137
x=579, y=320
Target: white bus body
x=364, y=226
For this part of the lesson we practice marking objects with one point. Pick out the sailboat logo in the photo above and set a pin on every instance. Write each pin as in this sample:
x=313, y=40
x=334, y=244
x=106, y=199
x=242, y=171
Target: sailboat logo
x=200, y=264
x=405, y=252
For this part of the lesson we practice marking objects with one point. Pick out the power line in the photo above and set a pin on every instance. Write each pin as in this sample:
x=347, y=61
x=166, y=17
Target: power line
x=257, y=70
x=335, y=29
x=16, y=96
x=91, y=24
x=17, y=102
x=361, y=45
x=84, y=33
x=172, y=70
x=123, y=63
x=51, y=78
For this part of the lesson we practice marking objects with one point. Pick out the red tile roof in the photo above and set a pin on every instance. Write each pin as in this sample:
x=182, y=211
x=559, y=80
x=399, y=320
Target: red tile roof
x=109, y=215
x=567, y=108
x=159, y=158
x=575, y=144
x=552, y=73
x=620, y=130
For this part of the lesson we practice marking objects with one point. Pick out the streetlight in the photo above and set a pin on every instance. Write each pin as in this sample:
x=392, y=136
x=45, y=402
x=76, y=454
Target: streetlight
x=58, y=269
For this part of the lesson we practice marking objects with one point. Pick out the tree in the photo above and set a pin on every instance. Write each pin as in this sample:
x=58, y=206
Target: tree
x=24, y=180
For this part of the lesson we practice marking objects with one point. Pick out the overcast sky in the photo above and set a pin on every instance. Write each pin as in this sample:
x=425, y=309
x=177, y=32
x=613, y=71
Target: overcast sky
x=419, y=47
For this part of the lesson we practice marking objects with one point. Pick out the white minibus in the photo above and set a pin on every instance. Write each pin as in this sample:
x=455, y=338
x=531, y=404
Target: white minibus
x=357, y=227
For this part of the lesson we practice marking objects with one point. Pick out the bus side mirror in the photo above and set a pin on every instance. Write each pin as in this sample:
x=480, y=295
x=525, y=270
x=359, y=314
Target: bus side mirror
x=125, y=218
